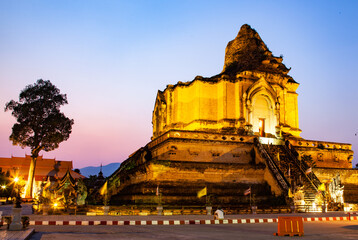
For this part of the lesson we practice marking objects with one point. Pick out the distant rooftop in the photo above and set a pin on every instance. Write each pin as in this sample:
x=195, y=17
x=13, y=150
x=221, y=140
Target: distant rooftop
x=45, y=167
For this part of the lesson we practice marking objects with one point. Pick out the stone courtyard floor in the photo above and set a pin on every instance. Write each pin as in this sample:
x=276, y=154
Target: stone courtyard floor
x=265, y=231
x=331, y=225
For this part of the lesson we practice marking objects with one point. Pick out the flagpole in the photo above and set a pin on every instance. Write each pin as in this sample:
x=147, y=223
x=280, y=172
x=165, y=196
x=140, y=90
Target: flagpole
x=250, y=197
x=289, y=174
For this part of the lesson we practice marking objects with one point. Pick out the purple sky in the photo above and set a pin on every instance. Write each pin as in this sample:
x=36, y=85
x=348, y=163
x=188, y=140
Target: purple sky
x=111, y=57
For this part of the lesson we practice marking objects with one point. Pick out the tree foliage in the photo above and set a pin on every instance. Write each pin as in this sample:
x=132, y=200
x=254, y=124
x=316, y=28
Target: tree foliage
x=40, y=124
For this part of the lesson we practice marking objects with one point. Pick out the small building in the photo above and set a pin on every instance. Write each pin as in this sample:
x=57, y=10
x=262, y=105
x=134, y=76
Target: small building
x=46, y=168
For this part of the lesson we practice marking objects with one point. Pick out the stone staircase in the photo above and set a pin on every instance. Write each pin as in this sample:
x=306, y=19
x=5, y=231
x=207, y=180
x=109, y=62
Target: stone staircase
x=272, y=164
x=309, y=181
x=291, y=169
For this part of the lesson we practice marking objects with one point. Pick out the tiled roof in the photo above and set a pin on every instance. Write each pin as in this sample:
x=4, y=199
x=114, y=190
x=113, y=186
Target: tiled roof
x=45, y=167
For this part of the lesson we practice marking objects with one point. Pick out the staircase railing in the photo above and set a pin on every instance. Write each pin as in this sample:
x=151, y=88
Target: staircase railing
x=272, y=165
x=302, y=165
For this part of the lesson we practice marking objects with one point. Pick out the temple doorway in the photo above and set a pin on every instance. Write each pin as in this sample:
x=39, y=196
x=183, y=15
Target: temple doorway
x=263, y=117
x=262, y=127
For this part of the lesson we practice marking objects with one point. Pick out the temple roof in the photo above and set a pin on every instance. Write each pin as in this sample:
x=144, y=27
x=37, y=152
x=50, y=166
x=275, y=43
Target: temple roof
x=45, y=167
x=67, y=178
x=248, y=52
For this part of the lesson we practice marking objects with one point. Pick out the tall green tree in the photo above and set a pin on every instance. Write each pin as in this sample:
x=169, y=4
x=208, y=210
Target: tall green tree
x=40, y=124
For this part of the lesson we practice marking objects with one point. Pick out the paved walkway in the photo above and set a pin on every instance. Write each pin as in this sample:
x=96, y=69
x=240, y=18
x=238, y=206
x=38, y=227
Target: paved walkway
x=16, y=235
x=176, y=217
x=312, y=230
x=58, y=220
x=175, y=220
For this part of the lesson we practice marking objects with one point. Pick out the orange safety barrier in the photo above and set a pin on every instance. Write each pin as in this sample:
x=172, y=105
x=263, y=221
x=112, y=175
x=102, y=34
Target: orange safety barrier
x=351, y=213
x=290, y=226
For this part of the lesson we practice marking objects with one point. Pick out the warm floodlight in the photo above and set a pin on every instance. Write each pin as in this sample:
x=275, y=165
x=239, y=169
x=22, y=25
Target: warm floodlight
x=3, y=187
x=55, y=204
x=16, y=179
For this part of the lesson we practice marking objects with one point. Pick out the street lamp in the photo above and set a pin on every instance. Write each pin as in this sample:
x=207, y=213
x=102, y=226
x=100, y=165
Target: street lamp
x=16, y=211
x=3, y=188
x=18, y=198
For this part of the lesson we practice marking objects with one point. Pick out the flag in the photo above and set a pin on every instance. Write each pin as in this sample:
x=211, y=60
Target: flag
x=104, y=189
x=322, y=187
x=202, y=192
x=308, y=170
x=290, y=195
x=247, y=191
x=157, y=191
x=289, y=171
x=278, y=156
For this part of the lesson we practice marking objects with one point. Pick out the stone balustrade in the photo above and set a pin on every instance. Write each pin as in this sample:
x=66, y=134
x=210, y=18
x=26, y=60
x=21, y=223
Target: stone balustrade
x=200, y=136
x=320, y=144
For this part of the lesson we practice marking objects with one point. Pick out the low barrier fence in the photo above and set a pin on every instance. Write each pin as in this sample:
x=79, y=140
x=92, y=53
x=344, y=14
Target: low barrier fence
x=192, y=222
x=98, y=210
x=176, y=210
x=352, y=215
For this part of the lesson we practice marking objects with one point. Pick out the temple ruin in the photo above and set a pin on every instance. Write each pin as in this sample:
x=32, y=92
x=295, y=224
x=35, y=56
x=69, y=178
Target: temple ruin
x=233, y=131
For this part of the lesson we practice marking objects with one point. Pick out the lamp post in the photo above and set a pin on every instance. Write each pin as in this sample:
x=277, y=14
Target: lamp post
x=3, y=189
x=16, y=211
x=18, y=198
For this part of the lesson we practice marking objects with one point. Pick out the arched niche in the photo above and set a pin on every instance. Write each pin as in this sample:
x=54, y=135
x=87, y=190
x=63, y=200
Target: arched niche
x=260, y=105
x=263, y=119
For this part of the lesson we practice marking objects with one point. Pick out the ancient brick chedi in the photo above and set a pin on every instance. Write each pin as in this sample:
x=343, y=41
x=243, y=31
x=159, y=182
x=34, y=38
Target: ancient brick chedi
x=235, y=130
x=253, y=90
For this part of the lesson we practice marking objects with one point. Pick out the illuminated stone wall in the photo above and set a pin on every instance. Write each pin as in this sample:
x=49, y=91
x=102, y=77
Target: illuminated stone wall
x=181, y=166
x=325, y=154
x=202, y=147
x=348, y=177
x=225, y=105
x=253, y=85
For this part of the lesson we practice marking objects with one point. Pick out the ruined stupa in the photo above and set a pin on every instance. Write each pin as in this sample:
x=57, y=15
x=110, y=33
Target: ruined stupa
x=234, y=131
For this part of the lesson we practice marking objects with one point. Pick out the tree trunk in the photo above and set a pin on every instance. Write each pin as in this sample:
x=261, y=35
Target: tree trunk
x=30, y=179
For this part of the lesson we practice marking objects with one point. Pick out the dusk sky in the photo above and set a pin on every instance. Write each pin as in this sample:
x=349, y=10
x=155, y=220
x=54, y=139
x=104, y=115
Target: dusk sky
x=111, y=58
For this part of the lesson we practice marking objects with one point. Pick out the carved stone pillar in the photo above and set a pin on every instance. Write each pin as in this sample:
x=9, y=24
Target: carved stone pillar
x=277, y=111
x=248, y=126
x=249, y=111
